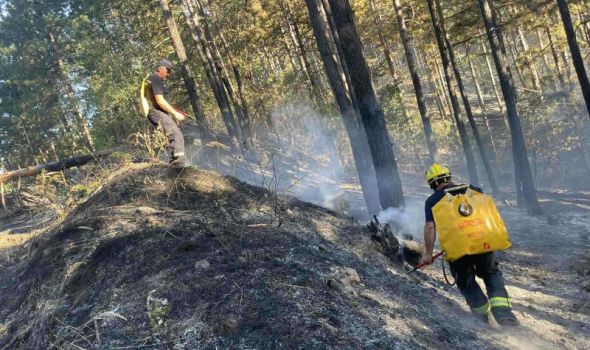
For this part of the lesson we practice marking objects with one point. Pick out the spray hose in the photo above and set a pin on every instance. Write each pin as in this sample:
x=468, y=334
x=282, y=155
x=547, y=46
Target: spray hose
x=422, y=265
x=442, y=263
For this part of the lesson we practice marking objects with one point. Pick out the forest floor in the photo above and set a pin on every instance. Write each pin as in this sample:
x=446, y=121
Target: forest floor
x=160, y=258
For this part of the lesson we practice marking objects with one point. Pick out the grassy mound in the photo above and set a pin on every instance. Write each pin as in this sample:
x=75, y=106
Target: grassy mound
x=160, y=258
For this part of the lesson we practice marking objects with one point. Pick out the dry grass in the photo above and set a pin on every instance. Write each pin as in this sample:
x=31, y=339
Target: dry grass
x=84, y=282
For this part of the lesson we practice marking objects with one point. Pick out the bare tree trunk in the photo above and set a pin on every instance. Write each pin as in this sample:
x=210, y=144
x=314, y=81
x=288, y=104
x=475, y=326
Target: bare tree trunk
x=439, y=102
x=481, y=101
x=440, y=95
x=480, y=145
x=247, y=120
x=523, y=175
x=577, y=59
x=378, y=22
x=243, y=118
x=412, y=67
x=338, y=44
x=287, y=44
x=51, y=167
x=443, y=88
x=566, y=65
x=513, y=50
x=546, y=63
x=350, y=116
x=493, y=80
x=270, y=62
x=295, y=36
x=72, y=99
x=584, y=28
x=388, y=180
x=555, y=58
x=542, y=47
x=188, y=76
x=217, y=87
x=438, y=31
x=530, y=62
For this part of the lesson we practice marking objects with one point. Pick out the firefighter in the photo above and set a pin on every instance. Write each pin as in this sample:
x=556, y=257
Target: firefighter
x=160, y=112
x=467, y=267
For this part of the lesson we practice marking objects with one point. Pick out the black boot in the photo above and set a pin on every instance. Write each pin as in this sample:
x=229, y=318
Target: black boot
x=508, y=322
x=505, y=317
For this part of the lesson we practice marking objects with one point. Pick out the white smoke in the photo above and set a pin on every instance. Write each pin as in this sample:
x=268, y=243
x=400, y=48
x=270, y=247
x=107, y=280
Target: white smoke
x=312, y=144
x=408, y=219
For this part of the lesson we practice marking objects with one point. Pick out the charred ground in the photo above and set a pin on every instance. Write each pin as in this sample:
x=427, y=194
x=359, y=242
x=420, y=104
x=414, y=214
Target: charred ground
x=188, y=259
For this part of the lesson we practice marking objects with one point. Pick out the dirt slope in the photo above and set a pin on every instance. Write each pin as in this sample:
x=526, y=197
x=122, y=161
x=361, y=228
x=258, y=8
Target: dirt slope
x=164, y=259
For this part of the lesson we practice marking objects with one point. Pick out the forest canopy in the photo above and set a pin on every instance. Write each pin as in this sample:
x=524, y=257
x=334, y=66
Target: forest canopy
x=496, y=89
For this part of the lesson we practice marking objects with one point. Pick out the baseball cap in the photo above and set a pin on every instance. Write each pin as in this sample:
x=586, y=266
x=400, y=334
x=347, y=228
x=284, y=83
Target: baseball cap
x=165, y=63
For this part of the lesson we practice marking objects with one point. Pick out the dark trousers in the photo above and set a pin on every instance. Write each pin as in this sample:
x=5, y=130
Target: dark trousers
x=173, y=133
x=484, y=266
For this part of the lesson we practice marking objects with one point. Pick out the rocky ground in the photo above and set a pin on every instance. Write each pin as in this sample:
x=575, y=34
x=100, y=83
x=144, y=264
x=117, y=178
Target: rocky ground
x=157, y=258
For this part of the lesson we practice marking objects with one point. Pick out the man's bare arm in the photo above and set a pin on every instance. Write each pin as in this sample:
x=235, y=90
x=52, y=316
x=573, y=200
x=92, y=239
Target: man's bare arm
x=161, y=101
x=429, y=238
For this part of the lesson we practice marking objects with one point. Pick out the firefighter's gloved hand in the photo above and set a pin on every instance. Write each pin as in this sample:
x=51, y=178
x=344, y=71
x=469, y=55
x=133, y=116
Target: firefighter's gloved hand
x=427, y=258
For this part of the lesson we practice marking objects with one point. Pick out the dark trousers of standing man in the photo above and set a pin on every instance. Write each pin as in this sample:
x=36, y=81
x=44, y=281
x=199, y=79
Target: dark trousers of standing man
x=484, y=266
x=173, y=133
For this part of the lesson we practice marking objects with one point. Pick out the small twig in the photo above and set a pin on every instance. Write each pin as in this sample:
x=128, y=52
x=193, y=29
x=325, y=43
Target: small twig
x=97, y=332
x=258, y=225
x=171, y=234
x=142, y=346
x=296, y=286
x=69, y=342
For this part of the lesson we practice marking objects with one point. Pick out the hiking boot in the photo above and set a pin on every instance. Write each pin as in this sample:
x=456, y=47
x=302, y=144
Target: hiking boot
x=482, y=318
x=504, y=317
x=508, y=322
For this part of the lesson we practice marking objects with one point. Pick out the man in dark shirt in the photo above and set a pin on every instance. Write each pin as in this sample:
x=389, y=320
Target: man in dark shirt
x=466, y=268
x=161, y=112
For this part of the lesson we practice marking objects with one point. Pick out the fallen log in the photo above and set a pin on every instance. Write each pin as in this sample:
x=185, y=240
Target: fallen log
x=54, y=166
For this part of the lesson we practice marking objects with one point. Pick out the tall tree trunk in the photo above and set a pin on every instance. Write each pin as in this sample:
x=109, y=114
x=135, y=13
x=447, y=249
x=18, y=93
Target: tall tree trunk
x=546, y=63
x=440, y=94
x=482, y=104
x=388, y=180
x=247, y=120
x=270, y=60
x=244, y=129
x=411, y=60
x=566, y=65
x=350, y=116
x=296, y=39
x=378, y=22
x=480, y=145
x=523, y=175
x=443, y=88
x=513, y=50
x=438, y=31
x=67, y=84
x=530, y=62
x=338, y=44
x=577, y=59
x=217, y=87
x=584, y=28
x=555, y=58
x=188, y=76
x=493, y=80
